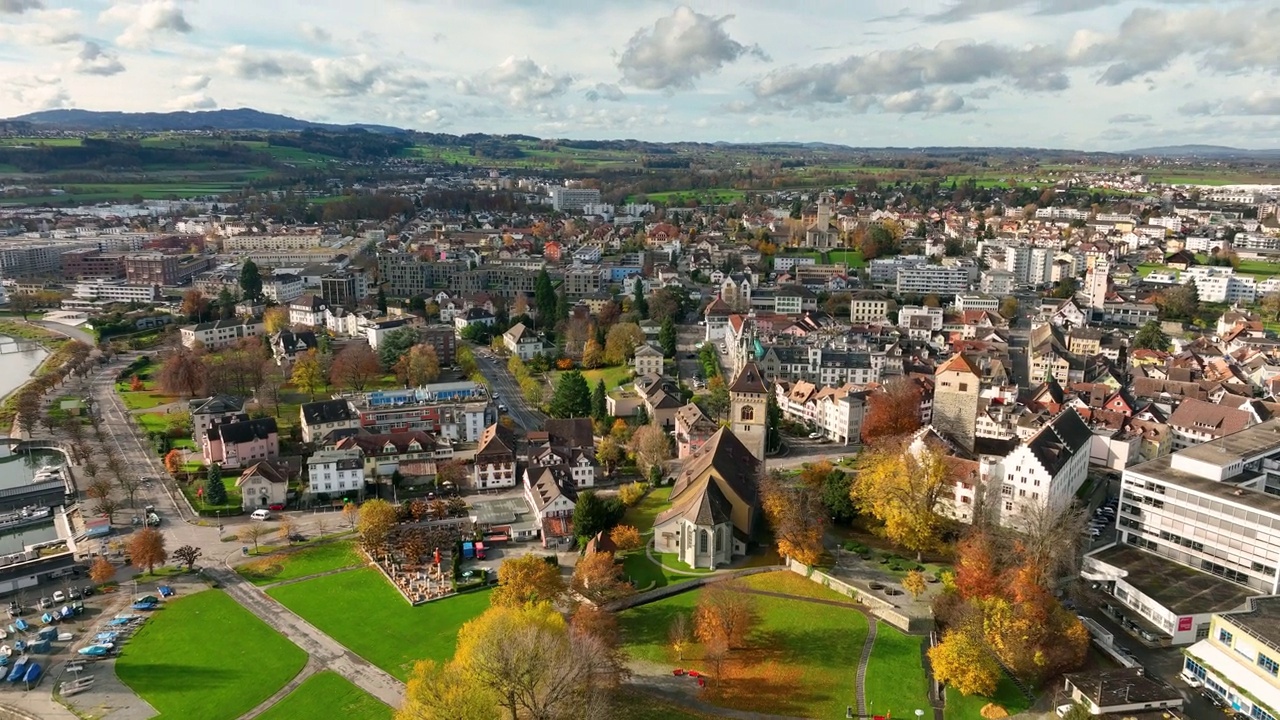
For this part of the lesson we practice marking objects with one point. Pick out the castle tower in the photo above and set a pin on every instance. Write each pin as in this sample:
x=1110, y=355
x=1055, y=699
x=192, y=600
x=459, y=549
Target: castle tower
x=748, y=409
x=956, y=387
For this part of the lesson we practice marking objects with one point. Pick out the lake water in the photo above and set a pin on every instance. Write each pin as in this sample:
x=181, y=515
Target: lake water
x=16, y=367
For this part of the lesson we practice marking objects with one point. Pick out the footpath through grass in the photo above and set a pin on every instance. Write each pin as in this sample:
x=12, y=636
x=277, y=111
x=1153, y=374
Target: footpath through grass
x=204, y=657
x=361, y=611
x=969, y=707
x=328, y=695
x=801, y=658
x=291, y=563
x=896, y=683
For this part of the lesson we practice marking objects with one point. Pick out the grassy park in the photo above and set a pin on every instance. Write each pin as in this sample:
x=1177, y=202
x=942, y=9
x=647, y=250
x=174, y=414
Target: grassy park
x=327, y=694
x=363, y=612
x=642, y=514
x=204, y=657
x=798, y=662
x=969, y=707
x=292, y=563
x=896, y=682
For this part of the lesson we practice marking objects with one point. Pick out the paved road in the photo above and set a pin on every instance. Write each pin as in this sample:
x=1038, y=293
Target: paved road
x=504, y=387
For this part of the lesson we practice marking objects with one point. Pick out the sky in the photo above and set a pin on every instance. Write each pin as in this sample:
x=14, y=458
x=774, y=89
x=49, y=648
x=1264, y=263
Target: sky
x=1082, y=74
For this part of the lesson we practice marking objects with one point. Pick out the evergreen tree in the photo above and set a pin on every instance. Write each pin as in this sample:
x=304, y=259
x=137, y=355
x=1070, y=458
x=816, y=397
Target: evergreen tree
x=226, y=304
x=544, y=299
x=251, y=281
x=773, y=422
x=215, y=492
x=639, y=304
x=667, y=338
x=593, y=514
x=572, y=397
x=382, y=301
x=562, y=305
x=1151, y=337
x=599, y=408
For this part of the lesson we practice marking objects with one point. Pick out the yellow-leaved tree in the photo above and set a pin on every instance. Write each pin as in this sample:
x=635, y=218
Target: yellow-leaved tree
x=902, y=487
x=795, y=513
x=963, y=661
x=527, y=579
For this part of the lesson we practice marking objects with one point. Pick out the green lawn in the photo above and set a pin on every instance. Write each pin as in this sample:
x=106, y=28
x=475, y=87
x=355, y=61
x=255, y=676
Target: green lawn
x=231, y=507
x=641, y=515
x=204, y=657
x=895, y=673
x=145, y=400
x=672, y=560
x=647, y=575
x=801, y=658
x=614, y=377
x=300, y=562
x=969, y=707
x=630, y=704
x=328, y=694
x=1258, y=268
x=361, y=611
x=785, y=581
x=852, y=258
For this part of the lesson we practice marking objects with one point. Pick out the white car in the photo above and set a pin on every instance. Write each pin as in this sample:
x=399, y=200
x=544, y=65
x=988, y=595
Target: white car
x=1064, y=709
x=815, y=435
x=59, y=596
x=261, y=514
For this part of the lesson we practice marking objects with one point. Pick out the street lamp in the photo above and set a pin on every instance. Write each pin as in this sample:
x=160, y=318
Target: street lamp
x=919, y=713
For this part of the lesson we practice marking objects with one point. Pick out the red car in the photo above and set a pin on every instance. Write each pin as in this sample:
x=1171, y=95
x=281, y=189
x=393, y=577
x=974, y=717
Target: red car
x=277, y=507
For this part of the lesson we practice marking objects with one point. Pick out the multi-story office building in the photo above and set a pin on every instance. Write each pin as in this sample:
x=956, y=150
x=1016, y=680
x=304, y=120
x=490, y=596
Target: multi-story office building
x=92, y=264
x=579, y=280
x=282, y=287
x=932, y=280
x=103, y=291
x=1239, y=661
x=1199, y=532
x=407, y=275
x=343, y=289
x=24, y=257
x=565, y=199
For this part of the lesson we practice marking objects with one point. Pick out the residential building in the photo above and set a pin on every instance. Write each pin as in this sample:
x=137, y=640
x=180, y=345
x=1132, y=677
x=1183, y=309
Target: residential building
x=692, y=430
x=237, y=441
x=287, y=344
x=156, y=269
x=323, y=417
x=452, y=410
x=221, y=333
x=523, y=342
x=473, y=316
x=263, y=484
x=110, y=291
x=25, y=258
x=407, y=452
x=495, y=460
x=869, y=307
x=1239, y=659
x=345, y=288
x=206, y=411
x=1040, y=476
x=569, y=444
x=336, y=474
x=986, y=303
x=580, y=281
x=283, y=288
x=932, y=280
x=1197, y=421
x=1121, y=693
x=1199, y=533
x=308, y=310
x=551, y=493
x=715, y=508
x=836, y=412
x=92, y=264
x=295, y=241
x=567, y=199
x=648, y=360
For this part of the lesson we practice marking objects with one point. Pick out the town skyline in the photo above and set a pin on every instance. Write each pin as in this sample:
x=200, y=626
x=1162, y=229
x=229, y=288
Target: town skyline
x=1089, y=75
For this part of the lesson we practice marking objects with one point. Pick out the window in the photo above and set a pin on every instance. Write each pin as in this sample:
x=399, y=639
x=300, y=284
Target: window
x=748, y=413
x=1008, y=507
x=702, y=541
x=1268, y=664
x=1259, y=714
x=1224, y=637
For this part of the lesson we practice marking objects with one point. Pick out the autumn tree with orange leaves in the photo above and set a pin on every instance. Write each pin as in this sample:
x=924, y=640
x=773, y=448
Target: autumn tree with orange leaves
x=724, y=614
x=893, y=410
x=796, y=514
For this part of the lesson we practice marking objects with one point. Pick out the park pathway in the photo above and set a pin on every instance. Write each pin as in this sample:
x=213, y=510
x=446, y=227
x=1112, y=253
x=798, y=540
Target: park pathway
x=860, y=680
x=312, y=667
x=322, y=648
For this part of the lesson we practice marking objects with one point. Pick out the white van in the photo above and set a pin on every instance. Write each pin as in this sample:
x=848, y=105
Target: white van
x=1190, y=679
x=261, y=514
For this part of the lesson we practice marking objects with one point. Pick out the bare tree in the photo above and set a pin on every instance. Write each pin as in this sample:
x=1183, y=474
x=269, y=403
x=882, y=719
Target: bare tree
x=1049, y=540
x=253, y=532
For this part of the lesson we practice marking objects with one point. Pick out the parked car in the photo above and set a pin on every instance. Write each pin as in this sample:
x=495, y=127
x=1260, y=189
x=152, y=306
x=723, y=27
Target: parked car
x=73, y=593
x=261, y=514
x=45, y=603
x=502, y=408
x=59, y=597
x=276, y=507
x=88, y=590
x=815, y=435
x=1213, y=698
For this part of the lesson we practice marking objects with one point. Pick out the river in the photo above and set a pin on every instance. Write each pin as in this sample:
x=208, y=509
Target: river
x=16, y=367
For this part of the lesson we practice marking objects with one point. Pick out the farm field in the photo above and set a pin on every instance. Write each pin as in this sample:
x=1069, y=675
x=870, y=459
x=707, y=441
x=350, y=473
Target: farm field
x=798, y=662
x=299, y=562
x=363, y=612
x=328, y=694
x=207, y=635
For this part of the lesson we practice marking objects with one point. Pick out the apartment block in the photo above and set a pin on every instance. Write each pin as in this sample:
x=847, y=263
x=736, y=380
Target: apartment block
x=932, y=280
x=92, y=264
x=221, y=333
x=1239, y=660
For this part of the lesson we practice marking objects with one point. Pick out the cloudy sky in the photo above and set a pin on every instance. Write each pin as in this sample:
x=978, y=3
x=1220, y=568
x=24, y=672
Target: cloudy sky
x=1088, y=74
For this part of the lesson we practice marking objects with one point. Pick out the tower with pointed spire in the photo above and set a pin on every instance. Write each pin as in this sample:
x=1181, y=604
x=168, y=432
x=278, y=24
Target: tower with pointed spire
x=749, y=409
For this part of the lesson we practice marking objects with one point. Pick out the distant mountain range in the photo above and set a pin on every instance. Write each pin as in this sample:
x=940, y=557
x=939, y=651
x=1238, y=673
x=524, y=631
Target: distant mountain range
x=1204, y=151
x=237, y=119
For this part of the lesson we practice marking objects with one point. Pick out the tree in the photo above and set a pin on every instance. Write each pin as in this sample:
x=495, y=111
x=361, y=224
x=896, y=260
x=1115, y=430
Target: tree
x=146, y=549
x=667, y=338
x=716, y=401
x=1009, y=307
x=795, y=514
x=639, y=305
x=599, y=404
x=572, y=397
x=544, y=299
x=307, y=374
x=914, y=583
x=592, y=354
x=651, y=445
x=596, y=622
x=102, y=571
x=396, y=343
x=978, y=572
x=527, y=579
x=1066, y=288
x=598, y=577
x=892, y=411
x=382, y=301
x=1035, y=636
x=902, y=489
x=835, y=491
x=250, y=281
x=1179, y=303
x=355, y=366
x=107, y=507
x=626, y=538
x=253, y=532
x=962, y=661
x=609, y=453
x=444, y=692
x=724, y=613
x=418, y=367
x=1151, y=337
x=187, y=555
x=679, y=635
x=1271, y=304
x=377, y=520
x=350, y=513
x=98, y=488
x=215, y=491
x=183, y=373
x=621, y=342
x=275, y=319
x=195, y=306
x=593, y=514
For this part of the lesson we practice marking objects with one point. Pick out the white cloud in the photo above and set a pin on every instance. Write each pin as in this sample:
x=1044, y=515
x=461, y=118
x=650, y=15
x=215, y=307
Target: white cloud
x=517, y=82
x=315, y=33
x=1259, y=102
x=93, y=60
x=924, y=101
x=19, y=6
x=193, y=101
x=332, y=77
x=193, y=83
x=38, y=92
x=1130, y=118
x=679, y=49
x=146, y=21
